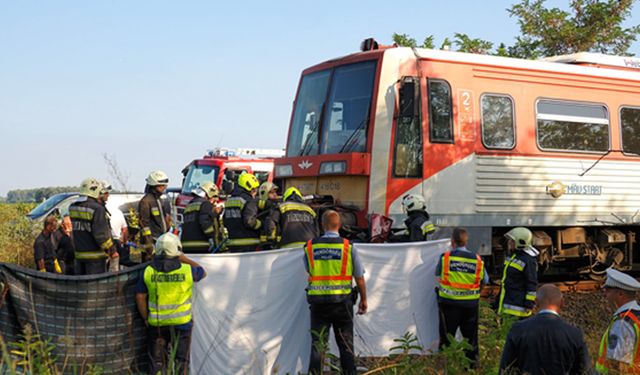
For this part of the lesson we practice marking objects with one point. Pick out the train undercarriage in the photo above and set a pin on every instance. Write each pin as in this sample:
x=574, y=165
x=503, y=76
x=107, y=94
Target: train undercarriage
x=579, y=252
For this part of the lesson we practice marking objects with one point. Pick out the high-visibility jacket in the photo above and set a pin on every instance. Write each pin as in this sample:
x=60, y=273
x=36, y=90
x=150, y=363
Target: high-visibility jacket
x=241, y=221
x=169, y=295
x=297, y=223
x=519, y=285
x=200, y=225
x=330, y=270
x=461, y=275
x=91, y=231
x=603, y=364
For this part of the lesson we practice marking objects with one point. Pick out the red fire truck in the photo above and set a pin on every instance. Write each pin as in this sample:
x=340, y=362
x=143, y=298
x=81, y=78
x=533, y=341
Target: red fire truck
x=223, y=166
x=490, y=142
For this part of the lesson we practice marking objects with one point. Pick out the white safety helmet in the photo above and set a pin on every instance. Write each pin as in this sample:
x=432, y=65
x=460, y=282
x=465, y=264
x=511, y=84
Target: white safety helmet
x=106, y=187
x=523, y=239
x=209, y=189
x=157, y=178
x=413, y=202
x=168, y=245
x=91, y=187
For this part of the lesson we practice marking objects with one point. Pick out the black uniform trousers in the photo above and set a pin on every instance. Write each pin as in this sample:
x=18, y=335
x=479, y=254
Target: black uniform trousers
x=163, y=343
x=90, y=267
x=465, y=317
x=340, y=317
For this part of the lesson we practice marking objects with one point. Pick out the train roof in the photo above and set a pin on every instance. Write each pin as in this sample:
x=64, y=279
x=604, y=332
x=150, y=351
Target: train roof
x=589, y=64
x=583, y=63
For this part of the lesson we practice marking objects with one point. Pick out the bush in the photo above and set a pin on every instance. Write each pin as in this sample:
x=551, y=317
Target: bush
x=17, y=234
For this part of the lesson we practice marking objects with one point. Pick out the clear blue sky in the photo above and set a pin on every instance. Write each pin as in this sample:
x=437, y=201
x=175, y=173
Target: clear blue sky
x=156, y=83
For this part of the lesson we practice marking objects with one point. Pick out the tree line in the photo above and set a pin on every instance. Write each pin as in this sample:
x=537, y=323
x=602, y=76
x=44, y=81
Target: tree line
x=588, y=26
x=37, y=194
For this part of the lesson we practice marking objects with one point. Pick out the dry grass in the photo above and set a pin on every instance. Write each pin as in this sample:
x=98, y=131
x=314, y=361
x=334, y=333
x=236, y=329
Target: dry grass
x=17, y=234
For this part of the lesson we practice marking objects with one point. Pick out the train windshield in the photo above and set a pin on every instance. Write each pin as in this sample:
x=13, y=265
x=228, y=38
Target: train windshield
x=197, y=175
x=332, y=111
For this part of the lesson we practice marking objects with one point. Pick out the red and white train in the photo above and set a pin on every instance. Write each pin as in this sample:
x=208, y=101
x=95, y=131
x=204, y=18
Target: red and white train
x=490, y=142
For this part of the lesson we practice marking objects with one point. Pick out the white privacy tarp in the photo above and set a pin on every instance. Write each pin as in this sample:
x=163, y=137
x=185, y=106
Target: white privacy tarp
x=251, y=315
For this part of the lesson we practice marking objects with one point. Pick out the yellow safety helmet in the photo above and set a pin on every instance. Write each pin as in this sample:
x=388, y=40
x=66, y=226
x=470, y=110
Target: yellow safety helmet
x=168, y=245
x=265, y=189
x=522, y=237
x=157, y=178
x=291, y=191
x=210, y=189
x=248, y=182
x=91, y=187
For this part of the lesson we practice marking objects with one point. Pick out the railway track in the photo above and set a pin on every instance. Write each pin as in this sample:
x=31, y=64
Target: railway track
x=491, y=291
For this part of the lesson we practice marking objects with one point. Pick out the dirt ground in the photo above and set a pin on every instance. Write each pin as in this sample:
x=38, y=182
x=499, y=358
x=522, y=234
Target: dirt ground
x=591, y=313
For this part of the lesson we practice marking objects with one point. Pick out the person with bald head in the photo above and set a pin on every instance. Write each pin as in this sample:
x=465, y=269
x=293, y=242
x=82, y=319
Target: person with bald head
x=544, y=343
x=332, y=264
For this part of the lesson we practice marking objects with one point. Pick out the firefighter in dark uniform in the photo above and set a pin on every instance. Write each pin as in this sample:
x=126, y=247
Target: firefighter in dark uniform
x=332, y=264
x=520, y=275
x=460, y=274
x=241, y=216
x=91, y=231
x=417, y=224
x=201, y=230
x=267, y=202
x=296, y=221
x=155, y=214
x=164, y=298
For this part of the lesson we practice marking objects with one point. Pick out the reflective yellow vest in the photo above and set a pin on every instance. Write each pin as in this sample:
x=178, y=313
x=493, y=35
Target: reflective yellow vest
x=460, y=278
x=330, y=268
x=602, y=365
x=169, y=295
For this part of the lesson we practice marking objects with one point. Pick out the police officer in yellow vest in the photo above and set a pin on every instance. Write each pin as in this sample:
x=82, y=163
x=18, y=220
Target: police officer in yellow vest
x=520, y=275
x=619, y=347
x=460, y=275
x=164, y=297
x=332, y=263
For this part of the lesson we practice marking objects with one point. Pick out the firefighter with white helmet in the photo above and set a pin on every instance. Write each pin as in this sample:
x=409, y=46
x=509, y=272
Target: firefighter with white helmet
x=268, y=201
x=297, y=222
x=202, y=227
x=91, y=231
x=241, y=215
x=519, y=276
x=417, y=225
x=164, y=296
x=154, y=211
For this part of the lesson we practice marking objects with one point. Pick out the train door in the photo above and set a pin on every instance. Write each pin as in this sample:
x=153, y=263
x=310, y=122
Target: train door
x=406, y=172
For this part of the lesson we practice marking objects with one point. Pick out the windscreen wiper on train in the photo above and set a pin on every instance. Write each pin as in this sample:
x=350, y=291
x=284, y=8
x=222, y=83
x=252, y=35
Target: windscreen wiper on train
x=348, y=144
x=306, y=147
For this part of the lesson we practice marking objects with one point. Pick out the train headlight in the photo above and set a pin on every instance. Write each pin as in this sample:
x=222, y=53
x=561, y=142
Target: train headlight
x=284, y=170
x=333, y=167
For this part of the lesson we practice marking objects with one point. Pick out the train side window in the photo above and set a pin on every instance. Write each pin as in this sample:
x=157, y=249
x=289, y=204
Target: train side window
x=630, y=121
x=572, y=126
x=440, y=113
x=498, y=125
x=407, y=160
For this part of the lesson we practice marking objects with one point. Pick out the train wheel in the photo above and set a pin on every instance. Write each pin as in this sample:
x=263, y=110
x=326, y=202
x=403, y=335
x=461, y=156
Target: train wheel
x=598, y=271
